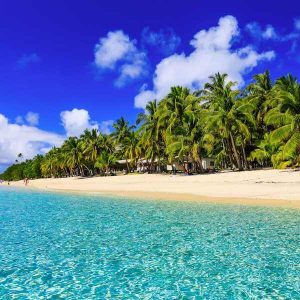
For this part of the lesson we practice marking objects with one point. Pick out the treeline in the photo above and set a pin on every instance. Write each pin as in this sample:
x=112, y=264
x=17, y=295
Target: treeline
x=258, y=126
x=28, y=169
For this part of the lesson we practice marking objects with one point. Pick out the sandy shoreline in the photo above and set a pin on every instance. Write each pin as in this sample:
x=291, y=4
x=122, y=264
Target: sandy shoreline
x=262, y=187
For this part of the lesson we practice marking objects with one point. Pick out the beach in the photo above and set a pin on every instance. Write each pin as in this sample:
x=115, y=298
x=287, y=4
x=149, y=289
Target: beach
x=259, y=187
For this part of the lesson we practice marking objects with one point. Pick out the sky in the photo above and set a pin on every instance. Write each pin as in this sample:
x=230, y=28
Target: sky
x=70, y=65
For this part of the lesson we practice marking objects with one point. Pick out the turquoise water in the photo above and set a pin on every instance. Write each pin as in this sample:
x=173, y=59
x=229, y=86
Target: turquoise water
x=55, y=246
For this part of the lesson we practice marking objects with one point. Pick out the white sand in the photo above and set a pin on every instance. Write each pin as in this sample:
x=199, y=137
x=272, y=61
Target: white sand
x=238, y=187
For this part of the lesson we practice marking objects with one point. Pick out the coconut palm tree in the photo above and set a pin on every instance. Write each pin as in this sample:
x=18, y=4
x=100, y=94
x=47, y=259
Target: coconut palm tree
x=132, y=149
x=72, y=151
x=260, y=95
x=266, y=151
x=105, y=161
x=150, y=135
x=122, y=130
x=285, y=118
x=228, y=116
x=91, y=144
x=172, y=108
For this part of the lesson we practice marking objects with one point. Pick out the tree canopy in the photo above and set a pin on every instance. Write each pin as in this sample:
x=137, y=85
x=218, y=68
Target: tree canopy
x=254, y=127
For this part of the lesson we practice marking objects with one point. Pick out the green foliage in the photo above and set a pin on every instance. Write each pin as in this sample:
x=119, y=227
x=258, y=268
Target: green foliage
x=258, y=126
x=28, y=169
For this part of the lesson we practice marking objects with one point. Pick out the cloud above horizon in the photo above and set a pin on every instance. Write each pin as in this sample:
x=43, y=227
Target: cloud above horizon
x=213, y=52
x=29, y=140
x=75, y=121
x=25, y=139
x=117, y=52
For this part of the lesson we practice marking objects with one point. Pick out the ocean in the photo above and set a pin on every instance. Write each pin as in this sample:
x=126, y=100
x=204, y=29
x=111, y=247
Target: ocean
x=71, y=246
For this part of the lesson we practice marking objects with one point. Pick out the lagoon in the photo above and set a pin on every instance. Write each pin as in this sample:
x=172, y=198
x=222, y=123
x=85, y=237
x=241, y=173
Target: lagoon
x=56, y=246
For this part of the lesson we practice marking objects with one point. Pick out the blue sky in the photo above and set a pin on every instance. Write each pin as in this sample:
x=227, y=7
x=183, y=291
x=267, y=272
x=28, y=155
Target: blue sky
x=100, y=57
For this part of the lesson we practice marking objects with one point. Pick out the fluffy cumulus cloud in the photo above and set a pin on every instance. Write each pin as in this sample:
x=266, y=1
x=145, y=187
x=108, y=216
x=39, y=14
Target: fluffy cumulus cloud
x=76, y=121
x=27, y=59
x=165, y=40
x=213, y=52
x=117, y=52
x=28, y=140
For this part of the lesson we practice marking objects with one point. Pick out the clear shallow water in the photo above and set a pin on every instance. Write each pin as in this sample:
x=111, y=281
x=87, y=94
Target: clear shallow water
x=55, y=246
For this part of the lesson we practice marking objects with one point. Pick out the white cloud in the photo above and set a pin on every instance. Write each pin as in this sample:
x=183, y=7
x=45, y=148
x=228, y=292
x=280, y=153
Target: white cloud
x=117, y=52
x=111, y=49
x=165, y=40
x=212, y=53
x=258, y=32
x=270, y=33
x=297, y=23
x=76, y=121
x=32, y=118
x=106, y=126
x=28, y=140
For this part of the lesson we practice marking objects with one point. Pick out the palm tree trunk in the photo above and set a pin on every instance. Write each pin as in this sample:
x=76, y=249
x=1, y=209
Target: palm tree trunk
x=229, y=152
x=244, y=155
x=237, y=157
x=200, y=163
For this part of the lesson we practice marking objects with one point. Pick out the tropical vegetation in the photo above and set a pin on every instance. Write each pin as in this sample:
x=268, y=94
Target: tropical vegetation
x=254, y=127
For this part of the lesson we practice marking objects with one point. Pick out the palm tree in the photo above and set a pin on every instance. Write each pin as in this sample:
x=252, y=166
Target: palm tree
x=228, y=116
x=172, y=108
x=105, y=161
x=132, y=149
x=91, y=144
x=266, y=151
x=285, y=118
x=73, y=153
x=150, y=135
x=122, y=131
x=260, y=95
